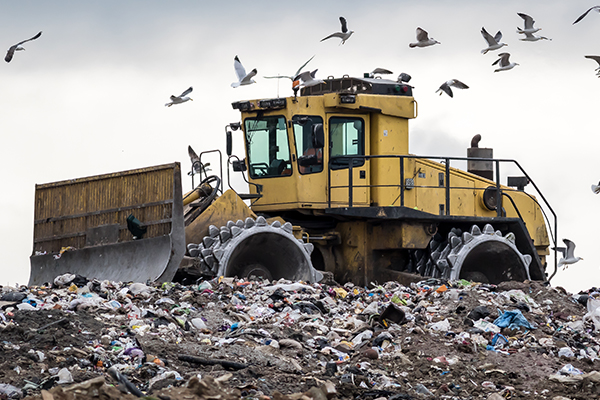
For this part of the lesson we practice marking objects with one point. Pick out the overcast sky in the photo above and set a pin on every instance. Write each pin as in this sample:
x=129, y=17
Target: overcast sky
x=88, y=96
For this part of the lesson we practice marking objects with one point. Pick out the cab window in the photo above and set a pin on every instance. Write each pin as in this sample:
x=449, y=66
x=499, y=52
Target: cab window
x=268, y=147
x=310, y=153
x=347, y=138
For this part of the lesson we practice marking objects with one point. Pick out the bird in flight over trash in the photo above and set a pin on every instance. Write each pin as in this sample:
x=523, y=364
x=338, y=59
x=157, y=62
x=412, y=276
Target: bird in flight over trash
x=182, y=98
x=568, y=254
x=344, y=34
x=243, y=77
x=18, y=47
x=423, y=39
x=446, y=87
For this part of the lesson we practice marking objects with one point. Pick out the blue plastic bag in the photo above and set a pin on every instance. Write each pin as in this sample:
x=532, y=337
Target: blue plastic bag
x=513, y=320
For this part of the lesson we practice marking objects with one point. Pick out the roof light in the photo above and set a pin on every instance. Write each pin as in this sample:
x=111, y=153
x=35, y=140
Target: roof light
x=242, y=105
x=347, y=99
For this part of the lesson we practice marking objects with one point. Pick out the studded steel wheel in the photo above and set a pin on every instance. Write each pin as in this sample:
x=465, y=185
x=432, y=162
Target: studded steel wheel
x=232, y=249
x=484, y=256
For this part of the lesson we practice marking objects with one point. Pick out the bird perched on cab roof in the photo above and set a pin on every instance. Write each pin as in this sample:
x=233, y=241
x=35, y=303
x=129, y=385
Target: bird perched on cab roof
x=423, y=39
x=18, y=47
x=182, y=98
x=379, y=71
x=344, y=34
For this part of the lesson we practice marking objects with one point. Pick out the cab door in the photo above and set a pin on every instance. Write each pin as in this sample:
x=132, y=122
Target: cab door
x=348, y=144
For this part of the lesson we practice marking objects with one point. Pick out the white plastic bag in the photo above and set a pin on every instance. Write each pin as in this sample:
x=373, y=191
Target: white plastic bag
x=593, y=307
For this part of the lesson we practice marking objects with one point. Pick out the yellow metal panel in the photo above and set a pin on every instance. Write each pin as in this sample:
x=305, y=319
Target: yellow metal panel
x=228, y=207
x=388, y=136
x=397, y=106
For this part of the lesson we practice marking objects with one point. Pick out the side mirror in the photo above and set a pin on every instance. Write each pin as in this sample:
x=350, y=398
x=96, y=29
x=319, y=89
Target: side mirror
x=229, y=143
x=318, y=136
x=239, y=165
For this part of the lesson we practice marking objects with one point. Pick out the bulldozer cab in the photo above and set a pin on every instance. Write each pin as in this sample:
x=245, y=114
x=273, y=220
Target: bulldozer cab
x=306, y=152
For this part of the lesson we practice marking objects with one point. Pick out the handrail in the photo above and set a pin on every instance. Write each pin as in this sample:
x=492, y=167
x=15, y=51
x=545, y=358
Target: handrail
x=199, y=162
x=258, y=187
x=446, y=160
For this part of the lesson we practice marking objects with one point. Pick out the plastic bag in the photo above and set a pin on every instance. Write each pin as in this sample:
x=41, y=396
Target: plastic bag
x=593, y=307
x=513, y=320
x=10, y=391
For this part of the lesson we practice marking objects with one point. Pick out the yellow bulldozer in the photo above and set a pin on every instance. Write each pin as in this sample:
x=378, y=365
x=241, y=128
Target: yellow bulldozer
x=331, y=187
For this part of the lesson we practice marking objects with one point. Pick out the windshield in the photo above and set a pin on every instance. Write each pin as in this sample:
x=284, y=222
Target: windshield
x=268, y=147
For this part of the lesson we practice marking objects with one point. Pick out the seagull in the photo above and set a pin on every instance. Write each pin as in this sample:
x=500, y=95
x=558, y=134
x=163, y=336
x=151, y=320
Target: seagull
x=243, y=78
x=197, y=166
x=307, y=79
x=344, y=34
x=493, y=41
x=503, y=62
x=293, y=77
x=596, y=188
x=18, y=47
x=182, y=98
x=530, y=37
x=568, y=254
x=528, y=24
x=597, y=59
x=445, y=87
x=582, y=16
x=379, y=71
x=423, y=39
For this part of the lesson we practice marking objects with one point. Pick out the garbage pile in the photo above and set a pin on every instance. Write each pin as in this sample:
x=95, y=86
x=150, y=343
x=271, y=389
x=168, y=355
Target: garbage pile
x=239, y=339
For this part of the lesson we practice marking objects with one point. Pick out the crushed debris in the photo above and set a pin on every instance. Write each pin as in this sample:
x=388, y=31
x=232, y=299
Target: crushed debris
x=231, y=339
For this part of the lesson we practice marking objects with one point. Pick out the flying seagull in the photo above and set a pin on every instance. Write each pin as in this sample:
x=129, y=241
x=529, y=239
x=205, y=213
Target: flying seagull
x=530, y=37
x=243, y=78
x=379, y=71
x=182, y=98
x=582, y=16
x=568, y=254
x=423, y=39
x=528, y=22
x=344, y=34
x=503, y=62
x=17, y=47
x=196, y=165
x=292, y=77
x=596, y=188
x=597, y=59
x=493, y=41
x=445, y=87
x=307, y=79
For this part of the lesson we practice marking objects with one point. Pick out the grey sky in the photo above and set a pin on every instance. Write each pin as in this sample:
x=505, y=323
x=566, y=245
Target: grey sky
x=88, y=96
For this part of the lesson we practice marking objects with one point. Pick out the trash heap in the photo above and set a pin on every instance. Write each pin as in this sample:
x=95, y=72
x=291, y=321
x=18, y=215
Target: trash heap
x=232, y=339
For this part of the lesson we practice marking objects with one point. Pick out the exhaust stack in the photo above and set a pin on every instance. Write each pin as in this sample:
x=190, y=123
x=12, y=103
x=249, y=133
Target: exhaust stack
x=485, y=169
